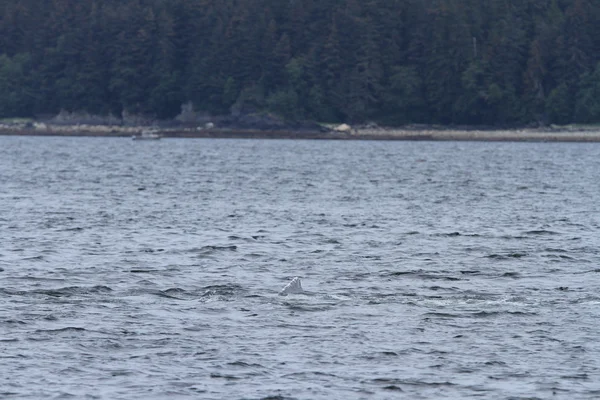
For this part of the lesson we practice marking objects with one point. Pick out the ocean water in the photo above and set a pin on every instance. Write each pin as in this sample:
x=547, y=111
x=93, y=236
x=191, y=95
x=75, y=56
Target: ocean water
x=151, y=270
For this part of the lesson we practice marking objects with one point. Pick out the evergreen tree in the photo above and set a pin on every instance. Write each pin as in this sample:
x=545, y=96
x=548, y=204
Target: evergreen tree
x=390, y=61
x=587, y=106
x=17, y=94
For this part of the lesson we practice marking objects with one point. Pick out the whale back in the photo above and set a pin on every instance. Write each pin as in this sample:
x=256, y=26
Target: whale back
x=295, y=286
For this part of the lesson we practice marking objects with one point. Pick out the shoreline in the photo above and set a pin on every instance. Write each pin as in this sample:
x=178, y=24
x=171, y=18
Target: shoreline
x=552, y=134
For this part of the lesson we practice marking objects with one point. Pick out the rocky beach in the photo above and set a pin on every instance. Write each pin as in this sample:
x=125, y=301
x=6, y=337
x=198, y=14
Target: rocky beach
x=569, y=133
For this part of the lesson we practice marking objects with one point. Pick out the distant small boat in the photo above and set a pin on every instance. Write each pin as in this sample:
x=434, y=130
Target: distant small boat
x=147, y=135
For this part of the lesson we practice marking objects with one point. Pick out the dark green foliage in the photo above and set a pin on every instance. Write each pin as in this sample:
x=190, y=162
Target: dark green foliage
x=587, y=105
x=389, y=61
x=284, y=103
x=559, y=105
x=405, y=101
x=16, y=85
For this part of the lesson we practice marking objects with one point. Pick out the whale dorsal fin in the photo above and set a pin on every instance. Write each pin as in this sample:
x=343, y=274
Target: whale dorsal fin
x=295, y=286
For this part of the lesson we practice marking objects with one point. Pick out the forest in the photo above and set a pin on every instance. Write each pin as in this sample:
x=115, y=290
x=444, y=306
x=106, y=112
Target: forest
x=392, y=62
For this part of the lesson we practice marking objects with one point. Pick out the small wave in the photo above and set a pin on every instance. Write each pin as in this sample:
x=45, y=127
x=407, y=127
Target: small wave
x=308, y=374
x=227, y=290
x=73, y=291
x=255, y=255
x=393, y=388
x=511, y=237
x=75, y=229
x=61, y=330
x=591, y=271
x=448, y=234
x=35, y=258
x=558, y=257
x=172, y=293
x=432, y=277
x=427, y=255
x=436, y=288
x=211, y=249
x=247, y=239
x=494, y=362
x=552, y=250
x=441, y=315
x=478, y=295
x=416, y=272
x=148, y=250
x=226, y=377
x=470, y=272
x=372, y=257
x=541, y=232
x=144, y=271
x=244, y=364
x=410, y=382
x=486, y=314
x=582, y=376
x=308, y=307
x=14, y=322
x=506, y=256
x=219, y=248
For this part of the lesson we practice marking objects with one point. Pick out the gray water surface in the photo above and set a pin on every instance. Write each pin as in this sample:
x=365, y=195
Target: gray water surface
x=150, y=270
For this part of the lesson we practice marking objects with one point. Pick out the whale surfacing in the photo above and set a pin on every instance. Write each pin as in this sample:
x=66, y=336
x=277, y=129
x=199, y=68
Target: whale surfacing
x=294, y=287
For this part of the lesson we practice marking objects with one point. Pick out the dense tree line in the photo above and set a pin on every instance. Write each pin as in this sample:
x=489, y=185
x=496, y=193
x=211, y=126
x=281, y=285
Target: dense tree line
x=389, y=61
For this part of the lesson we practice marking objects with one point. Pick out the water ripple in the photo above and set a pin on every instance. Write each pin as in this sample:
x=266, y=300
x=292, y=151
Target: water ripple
x=430, y=270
